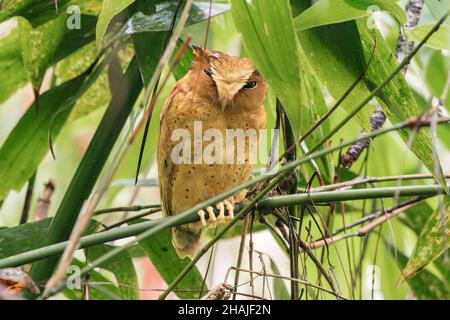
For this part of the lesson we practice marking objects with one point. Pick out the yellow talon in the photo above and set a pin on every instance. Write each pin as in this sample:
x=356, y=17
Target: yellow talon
x=212, y=216
x=230, y=209
x=221, y=208
x=201, y=214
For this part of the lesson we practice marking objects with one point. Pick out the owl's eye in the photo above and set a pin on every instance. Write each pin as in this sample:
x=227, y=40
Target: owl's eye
x=250, y=85
x=208, y=73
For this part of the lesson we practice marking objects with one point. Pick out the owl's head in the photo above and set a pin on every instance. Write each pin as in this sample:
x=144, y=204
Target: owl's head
x=234, y=80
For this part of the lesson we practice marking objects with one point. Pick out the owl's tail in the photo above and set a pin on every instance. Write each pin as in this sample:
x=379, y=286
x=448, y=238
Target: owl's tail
x=186, y=242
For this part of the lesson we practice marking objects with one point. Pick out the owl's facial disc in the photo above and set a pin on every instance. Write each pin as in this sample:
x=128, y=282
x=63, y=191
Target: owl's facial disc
x=229, y=81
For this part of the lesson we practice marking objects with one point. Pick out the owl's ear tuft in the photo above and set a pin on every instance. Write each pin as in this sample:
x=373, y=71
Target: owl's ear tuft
x=201, y=54
x=198, y=52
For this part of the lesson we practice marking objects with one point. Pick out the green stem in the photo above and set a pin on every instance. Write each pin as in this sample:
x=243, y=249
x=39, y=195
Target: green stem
x=266, y=204
x=190, y=214
x=348, y=195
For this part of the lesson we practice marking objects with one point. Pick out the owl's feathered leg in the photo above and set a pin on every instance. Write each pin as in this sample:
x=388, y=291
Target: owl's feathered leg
x=186, y=241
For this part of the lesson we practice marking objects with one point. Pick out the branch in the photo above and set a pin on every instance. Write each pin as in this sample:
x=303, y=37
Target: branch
x=263, y=205
x=145, y=229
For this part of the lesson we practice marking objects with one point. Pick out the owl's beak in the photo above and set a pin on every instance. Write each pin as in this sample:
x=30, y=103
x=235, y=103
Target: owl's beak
x=224, y=102
x=226, y=93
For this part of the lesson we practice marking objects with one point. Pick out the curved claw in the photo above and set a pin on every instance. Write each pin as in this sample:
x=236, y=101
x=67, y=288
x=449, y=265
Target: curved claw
x=230, y=209
x=201, y=214
x=221, y=217
x=212, y=216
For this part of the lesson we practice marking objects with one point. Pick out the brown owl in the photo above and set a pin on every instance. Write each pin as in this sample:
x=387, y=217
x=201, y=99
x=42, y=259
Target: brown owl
x=198, y=156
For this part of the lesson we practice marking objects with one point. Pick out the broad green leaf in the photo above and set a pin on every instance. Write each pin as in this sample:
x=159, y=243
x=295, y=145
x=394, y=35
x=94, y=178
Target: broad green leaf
x=149, y=29
x=436, y=74
x=269, y=38
x=439, y=40
x=91, y=165
x=312, y=96
x=161, y=19
x=161, y=252
x=98, y=95
x=110, y=9
x=12, y=74
x=183, y=66
x=280, y=290
x=395, y=98
x=74, y=39
x=416, y=217
x=28, y=236
x=38, y=12
x=123, y=269
x=425, y=284
x=334, y=53
x=437, y=7
x=39, y=45
x=23, y=238
x=432, y=242
x=147, y=42
x=27, y=144
x=325, y=12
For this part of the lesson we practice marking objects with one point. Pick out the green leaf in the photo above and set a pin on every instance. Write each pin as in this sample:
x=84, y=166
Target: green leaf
x=269, y=38
x=436, y=78
x=12, y=73
x=98, y=95
x=280, y=290
x=123, y=269
x=160, y=251
x=439, y=40
x=28, y=236
x=161, y=19
x=325, y=12
x=110, y=9
x=417, y=216
x=38, y=12
x=184, y=64
x=27, y=144
x=432, y=242
x=91, y=165
x=425, y=284
x=334, y=53
x=39, y=45
x=149, y=29
x=147, y=42
x=437, y=7
x=396, y=98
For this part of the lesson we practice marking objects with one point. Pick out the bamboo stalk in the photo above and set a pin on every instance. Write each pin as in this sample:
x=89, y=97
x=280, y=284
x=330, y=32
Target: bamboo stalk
x=266, y=204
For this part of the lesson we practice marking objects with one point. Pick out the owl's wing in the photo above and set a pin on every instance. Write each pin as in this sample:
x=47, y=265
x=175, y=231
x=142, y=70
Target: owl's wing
x=166, y=167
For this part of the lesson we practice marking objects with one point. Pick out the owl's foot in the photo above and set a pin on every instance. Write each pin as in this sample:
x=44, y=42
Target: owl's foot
x=211, y=216
x=221, y=207
x=221, y=218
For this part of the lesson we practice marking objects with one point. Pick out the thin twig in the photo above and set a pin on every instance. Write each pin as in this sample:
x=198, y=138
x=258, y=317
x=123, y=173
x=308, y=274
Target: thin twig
x=277, y=276
x=27, y=202
x=241, y=253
